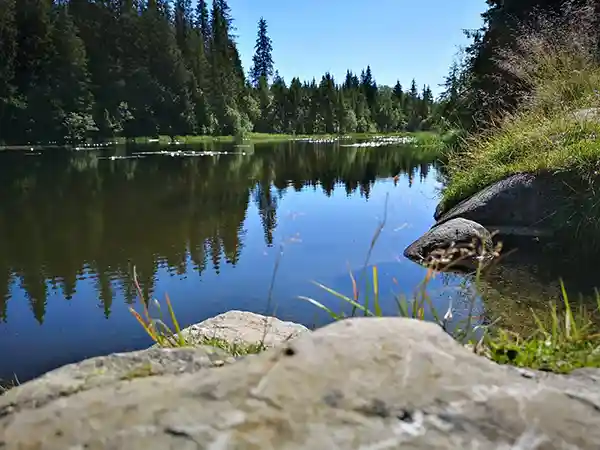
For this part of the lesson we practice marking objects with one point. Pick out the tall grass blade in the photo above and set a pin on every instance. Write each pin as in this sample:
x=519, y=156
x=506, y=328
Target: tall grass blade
x=376, y=304
x=322, y=307
x=345, y=298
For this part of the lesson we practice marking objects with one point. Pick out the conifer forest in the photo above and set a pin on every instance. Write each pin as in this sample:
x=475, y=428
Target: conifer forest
x=77, y=69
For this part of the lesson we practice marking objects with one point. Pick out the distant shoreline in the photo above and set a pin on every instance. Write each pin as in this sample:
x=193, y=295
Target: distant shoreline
x=206, y=139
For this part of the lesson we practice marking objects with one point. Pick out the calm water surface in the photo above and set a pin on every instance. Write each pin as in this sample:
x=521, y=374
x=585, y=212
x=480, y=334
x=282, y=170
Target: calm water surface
x=209, y=230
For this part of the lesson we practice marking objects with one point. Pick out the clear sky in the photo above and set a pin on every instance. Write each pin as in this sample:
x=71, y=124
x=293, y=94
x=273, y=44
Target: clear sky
x=400, y=39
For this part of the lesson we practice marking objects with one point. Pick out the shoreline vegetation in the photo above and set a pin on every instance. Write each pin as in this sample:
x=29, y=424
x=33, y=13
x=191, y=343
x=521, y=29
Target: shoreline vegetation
x=552, y=123
x=419, y=138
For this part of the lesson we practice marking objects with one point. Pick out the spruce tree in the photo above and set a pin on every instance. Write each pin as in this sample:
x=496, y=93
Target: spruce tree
x=262, y=59
x=71, y=98
x=227, y=80
x=203, y=21
x=34, y=54
x=8, y=54
x=171, y=101
x=398, y=93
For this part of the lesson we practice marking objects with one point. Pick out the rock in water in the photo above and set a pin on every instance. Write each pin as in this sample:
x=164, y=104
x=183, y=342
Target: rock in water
x=369, y=383
x=458, y=233
x=523, y=204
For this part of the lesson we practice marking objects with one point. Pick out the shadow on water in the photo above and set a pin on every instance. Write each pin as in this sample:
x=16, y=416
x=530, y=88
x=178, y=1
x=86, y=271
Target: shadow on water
x=529, y=280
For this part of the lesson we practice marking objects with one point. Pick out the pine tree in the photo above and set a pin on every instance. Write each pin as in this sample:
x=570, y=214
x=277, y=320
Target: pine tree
x=263, y=59
x=296, y=101
x=203, y=22
x=398, y=94
x=31, y=71
x=183, y=25
x=171, y=99
x=279, y=105
x=449, y=105
x=71, y=97
x=227, y=78
x=264, y=98
x=369, y=87
x=8, y=54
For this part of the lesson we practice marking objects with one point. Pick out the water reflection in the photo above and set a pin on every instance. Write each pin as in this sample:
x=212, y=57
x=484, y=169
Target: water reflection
x=66, y=217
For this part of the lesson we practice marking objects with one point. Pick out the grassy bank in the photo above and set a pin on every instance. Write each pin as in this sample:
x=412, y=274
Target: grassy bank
x=528, y=142
x=555, y=128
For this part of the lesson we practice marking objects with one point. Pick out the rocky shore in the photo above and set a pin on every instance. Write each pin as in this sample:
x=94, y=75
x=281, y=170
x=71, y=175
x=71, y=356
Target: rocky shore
x=540, y=210
x=368, y=383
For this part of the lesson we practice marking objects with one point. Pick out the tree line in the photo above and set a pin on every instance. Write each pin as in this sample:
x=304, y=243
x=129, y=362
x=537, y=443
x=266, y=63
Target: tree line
x=74, y=69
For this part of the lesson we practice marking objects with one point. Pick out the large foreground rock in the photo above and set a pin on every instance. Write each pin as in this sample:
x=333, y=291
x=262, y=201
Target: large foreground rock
x=458, y=233
x=244, y=327
x=357, y=384
x=524, y=204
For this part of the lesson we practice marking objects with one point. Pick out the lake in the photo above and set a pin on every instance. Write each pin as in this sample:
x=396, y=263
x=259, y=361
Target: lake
x=217, y=228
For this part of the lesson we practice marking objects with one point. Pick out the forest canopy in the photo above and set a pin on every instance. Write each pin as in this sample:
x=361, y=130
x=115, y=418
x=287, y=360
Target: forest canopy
x=75, y=69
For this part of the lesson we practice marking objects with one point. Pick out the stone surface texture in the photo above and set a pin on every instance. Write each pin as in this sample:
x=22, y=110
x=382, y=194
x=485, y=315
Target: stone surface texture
x=524, y=202
x=461, y=232
x=368, y=383
x=244, y=327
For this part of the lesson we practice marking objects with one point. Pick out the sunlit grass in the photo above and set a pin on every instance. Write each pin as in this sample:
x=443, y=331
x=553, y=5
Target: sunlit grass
x=527, y=143
x=566, y=341
x=553, y=63
x=166, y=336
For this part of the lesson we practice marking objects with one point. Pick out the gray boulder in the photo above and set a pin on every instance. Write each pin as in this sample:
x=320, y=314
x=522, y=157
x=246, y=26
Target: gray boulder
x=524, y=204
x=369, y=383
x=463, y=242
x=243, y=327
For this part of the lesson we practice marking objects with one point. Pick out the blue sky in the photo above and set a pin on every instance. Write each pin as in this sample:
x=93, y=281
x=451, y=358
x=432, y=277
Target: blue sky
x=400, y=39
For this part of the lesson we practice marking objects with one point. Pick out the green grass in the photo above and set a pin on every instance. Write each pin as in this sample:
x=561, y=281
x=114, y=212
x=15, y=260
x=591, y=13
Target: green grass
x=569, y=339
x=166, y=336
x=556, y=64
x=525, y=143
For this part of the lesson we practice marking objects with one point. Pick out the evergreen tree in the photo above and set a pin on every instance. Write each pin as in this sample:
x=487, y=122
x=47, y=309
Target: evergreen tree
x=398, y=94
x=263, y=59
x=71, y=97
x=35, y=51
x=170, y=96
x=297, y=110
x=8, y=54
x=203, y=21
x=279, y=105
x=227, y=80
